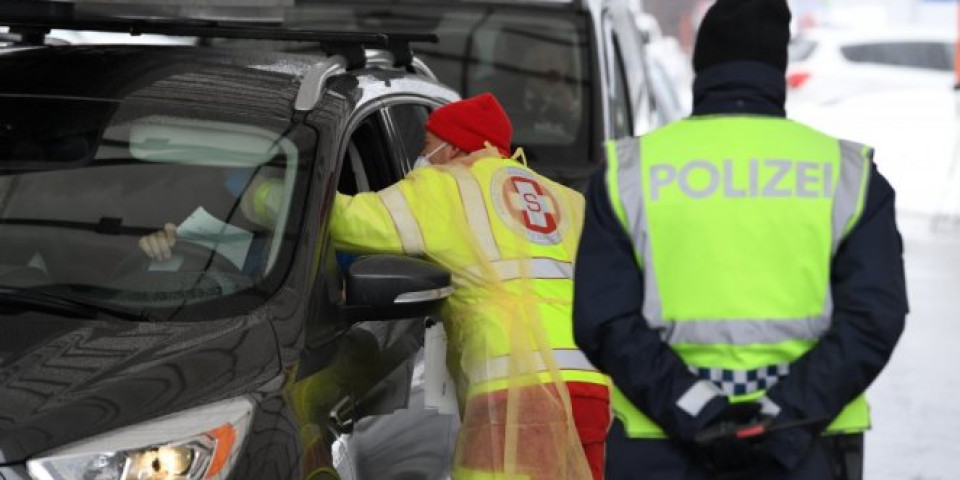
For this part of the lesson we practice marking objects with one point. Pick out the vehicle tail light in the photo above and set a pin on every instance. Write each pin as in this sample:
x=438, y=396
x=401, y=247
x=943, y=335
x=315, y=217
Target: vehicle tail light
x=797, y=79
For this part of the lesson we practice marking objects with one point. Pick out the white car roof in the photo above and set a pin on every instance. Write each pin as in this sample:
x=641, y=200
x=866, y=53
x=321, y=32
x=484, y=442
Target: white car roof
x=848, y=36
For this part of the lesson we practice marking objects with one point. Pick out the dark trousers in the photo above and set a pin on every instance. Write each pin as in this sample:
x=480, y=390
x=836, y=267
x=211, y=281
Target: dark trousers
x=837, y=457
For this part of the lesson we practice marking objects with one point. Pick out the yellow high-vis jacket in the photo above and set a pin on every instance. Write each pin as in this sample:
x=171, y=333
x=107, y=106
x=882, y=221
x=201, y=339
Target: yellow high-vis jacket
x=509, y=237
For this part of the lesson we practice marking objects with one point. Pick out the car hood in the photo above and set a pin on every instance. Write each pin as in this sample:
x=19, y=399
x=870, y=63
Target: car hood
x=62, y=380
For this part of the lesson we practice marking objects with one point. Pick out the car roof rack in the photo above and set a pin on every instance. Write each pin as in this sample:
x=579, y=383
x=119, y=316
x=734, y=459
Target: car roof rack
x=349, y=44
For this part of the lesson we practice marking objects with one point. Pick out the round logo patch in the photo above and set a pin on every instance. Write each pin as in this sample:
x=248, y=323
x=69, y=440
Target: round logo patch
x=527, y=206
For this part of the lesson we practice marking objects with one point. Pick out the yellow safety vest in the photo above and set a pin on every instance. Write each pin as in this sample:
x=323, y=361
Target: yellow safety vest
x=503, y=231
x=735, y=222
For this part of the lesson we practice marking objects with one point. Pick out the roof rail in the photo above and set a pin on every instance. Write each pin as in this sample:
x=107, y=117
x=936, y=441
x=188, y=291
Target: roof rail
x=349, y=44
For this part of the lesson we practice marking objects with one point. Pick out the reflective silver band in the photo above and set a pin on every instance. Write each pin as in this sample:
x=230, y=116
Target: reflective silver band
x=476, y=209
x=851, y=187
x=631, y=189
x=407, y=227
x=698, y=396
x=499, y=367
x=744, y=332
x=535, y=268
x=848, y=202
x=767, y=407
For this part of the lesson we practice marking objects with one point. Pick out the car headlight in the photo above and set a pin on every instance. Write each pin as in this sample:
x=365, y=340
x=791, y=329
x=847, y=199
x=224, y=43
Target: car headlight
x=201, y=443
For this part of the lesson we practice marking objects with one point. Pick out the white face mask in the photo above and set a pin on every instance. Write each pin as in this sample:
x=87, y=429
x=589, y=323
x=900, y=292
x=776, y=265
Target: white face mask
x=424, y=160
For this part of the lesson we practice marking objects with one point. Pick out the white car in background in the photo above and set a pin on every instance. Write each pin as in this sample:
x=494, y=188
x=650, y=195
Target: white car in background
x=669, y=68
x=829, y=65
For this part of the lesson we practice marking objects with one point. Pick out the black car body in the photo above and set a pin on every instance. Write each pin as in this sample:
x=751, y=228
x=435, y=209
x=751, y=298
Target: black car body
x=244, y=359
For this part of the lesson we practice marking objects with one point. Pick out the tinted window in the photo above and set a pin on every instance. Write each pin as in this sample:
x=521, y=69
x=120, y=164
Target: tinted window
x=409, y=121
x=926, y=55
x=367, y=164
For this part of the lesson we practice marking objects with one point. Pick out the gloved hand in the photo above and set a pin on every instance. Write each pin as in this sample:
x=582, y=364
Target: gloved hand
x=728, y=456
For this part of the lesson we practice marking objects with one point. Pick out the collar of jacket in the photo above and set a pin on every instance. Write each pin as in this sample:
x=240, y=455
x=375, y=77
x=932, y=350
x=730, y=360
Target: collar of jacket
x=740, y=88
x=469, y=159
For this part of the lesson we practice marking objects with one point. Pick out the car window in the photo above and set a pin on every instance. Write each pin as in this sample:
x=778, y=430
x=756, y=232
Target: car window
x=84, y=180
x=925, y=55
x=367, y=162
x=801, y=49
x=409, y=122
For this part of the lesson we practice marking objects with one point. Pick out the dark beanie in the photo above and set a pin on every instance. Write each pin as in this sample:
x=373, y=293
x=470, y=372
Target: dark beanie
x=744, y=30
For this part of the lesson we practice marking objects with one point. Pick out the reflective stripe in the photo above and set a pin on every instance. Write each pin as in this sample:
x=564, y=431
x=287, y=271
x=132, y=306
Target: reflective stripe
x=768, y=407
x=848, y=201
x=476, y=209
x=743, y=382
x=407, y=227
x=848, y=204
x=631, y=190
x=744, y=332
x=698, y=396
x=499, y=367
x=613, y=189
x=537, y=268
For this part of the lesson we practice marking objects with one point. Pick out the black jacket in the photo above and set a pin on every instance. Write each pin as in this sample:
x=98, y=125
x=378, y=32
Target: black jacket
x=867, y=280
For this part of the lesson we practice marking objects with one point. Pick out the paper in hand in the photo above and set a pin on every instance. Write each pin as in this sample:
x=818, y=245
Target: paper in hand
x=204, y=229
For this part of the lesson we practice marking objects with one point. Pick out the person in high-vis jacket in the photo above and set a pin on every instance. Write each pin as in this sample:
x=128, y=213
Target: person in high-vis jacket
x=508, y=236
x=739, y=277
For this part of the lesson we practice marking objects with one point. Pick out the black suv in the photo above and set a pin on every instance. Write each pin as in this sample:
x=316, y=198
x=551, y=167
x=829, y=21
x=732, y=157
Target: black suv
x=246, y=353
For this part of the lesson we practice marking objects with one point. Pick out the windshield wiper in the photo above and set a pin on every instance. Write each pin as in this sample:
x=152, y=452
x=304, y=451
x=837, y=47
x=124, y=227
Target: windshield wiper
x=82, y=308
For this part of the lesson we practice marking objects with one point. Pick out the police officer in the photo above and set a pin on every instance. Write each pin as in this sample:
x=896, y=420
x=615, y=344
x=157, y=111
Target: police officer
x=739, y=277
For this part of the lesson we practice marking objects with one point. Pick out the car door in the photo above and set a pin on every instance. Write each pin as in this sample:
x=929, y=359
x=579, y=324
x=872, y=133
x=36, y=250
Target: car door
x=370, y=164
x=403, y=441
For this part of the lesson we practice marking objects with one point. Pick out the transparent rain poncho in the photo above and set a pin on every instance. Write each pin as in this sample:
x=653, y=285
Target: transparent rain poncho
x=517, y=421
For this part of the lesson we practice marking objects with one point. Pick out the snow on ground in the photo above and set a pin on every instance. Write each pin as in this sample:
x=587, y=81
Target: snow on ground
x=916, y=400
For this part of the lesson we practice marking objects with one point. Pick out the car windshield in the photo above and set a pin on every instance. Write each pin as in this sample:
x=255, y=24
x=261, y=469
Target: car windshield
x=535, y=61
x=82, y=182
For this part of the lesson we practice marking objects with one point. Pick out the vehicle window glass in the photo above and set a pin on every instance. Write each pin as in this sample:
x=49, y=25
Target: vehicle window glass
x=84, y=180
x=366, y=163
x=801, y=49
x=409, y=120
x=924, y=55
x=620, y=106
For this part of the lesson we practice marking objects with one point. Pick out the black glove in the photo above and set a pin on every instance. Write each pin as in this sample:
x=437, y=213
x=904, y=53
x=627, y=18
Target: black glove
x=728, y=456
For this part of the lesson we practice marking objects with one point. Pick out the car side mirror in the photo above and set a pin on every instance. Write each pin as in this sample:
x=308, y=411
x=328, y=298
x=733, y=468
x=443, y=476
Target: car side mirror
x=389, y=287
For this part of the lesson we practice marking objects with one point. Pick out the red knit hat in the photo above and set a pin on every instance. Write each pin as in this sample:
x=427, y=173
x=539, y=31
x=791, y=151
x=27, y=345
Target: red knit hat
x=469, y=123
